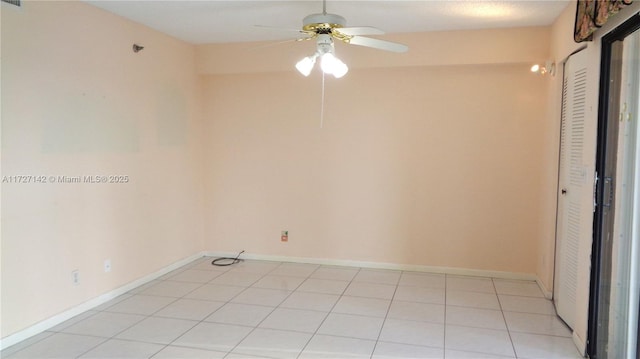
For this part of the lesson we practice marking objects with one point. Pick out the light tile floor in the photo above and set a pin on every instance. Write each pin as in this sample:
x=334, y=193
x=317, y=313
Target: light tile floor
x=259, y=309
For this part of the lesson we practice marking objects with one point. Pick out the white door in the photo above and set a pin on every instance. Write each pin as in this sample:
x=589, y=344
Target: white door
x=575, y=185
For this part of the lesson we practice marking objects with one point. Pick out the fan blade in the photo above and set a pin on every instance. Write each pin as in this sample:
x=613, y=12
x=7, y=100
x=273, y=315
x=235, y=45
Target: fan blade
x=361, y=30
x=282, y=29
x=378, y=44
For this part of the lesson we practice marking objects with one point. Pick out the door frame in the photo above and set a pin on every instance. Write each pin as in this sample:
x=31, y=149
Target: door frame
x=629, y=26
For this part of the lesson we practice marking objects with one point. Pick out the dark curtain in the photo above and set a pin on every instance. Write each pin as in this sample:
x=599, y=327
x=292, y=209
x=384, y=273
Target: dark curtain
x=591, y=14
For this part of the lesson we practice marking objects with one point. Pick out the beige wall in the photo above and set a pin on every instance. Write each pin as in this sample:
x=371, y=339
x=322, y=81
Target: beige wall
x=77, y=101
x=428, y=164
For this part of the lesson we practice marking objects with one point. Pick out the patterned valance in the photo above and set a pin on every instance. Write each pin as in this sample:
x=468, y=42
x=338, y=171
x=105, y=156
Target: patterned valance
x=591, y=14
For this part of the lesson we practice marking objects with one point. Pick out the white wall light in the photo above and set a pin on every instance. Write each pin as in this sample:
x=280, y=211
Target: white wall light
x=548, y=68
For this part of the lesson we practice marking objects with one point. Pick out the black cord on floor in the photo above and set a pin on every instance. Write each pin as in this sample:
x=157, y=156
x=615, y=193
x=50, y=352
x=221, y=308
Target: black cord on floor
x=227, y=261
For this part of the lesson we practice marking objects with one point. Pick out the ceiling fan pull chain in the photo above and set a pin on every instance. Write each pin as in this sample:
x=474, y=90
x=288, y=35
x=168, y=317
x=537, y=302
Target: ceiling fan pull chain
x=322, y=103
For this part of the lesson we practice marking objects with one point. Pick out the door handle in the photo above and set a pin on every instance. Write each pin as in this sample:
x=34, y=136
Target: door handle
x=564, y=191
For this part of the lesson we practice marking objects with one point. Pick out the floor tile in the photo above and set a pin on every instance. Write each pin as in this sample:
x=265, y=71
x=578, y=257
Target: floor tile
x=260, y=296
x=310, y=301
x=157, y=330
x=521, y=288
x=278, y=282
x=298, y=320
x=59, y=345
x=261, y=309
x=533, y=346
x=370, y=290
x=240, y=314
x=470, y=284
x=273, y=343
x=190, y=309
x=335, y=273
x=141, y=304
x=253, y=266
x=420, y=294
x=197, y=262
x=353, y=326
x=243, y=356
x=173, y=273
x=413, y=332
x=479, y=340
x=206, y=265
x=78, y=318
x=6, y=352
x=362, y=306
x=142, y=288
x=326, y=286
x=122, y=349
x=215, y=292
x=394, y=350
x=237, y=278
x=113, y=302
x=329, y=347
x=170, y=288
x=536, y=324
x=104, y=324
x=173, y=352
x=417, y=311
x=460, y=354
x=475, y=317
x=472, y=299
x=195, y=276
x=512, y=303
x=418, y=279
x=213, y=336
x=378, y=276
x=295, y=269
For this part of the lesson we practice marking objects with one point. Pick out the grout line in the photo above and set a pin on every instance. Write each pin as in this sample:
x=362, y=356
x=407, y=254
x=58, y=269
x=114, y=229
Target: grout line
x=384, y=320
x=329, y=312
x=273, y=310
x=513, y=347
x=201, y=321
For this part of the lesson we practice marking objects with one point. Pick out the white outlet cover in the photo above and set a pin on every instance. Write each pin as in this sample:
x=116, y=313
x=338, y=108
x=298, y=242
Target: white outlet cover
x=107, y=265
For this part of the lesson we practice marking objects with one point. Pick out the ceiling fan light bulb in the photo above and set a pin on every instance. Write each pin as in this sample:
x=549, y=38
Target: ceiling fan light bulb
x=305, y=65
x=340, y=69
x=328, y=63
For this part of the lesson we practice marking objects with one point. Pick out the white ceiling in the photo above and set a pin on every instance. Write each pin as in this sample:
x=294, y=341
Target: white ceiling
x=202, y=22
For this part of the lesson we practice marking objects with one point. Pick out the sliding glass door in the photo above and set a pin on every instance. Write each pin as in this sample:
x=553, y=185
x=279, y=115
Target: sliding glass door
x=615, y=286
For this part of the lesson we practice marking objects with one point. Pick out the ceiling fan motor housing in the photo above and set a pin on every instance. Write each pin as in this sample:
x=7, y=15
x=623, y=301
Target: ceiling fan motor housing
x=324, y=44
x=323, y=23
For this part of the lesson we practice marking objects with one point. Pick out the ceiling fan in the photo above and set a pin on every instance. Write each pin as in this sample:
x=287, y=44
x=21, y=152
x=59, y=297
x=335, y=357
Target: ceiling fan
x=325, y=29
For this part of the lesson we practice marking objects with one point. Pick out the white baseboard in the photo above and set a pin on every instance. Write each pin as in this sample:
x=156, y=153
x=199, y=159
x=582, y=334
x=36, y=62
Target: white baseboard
x=381, y=265
x=90, y=304
x=545, y=291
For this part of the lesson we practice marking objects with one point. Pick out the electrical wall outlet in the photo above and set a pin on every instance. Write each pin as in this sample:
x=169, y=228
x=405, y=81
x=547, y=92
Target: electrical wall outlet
x=284, y=236
x=107, y=265
x=75, y=277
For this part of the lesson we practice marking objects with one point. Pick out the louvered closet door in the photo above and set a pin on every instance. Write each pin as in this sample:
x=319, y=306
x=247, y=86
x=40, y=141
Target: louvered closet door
x=575, y=200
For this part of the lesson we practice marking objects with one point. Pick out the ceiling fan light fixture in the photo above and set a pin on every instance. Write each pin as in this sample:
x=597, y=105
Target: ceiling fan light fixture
x=305, y=65
x=332, y=65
